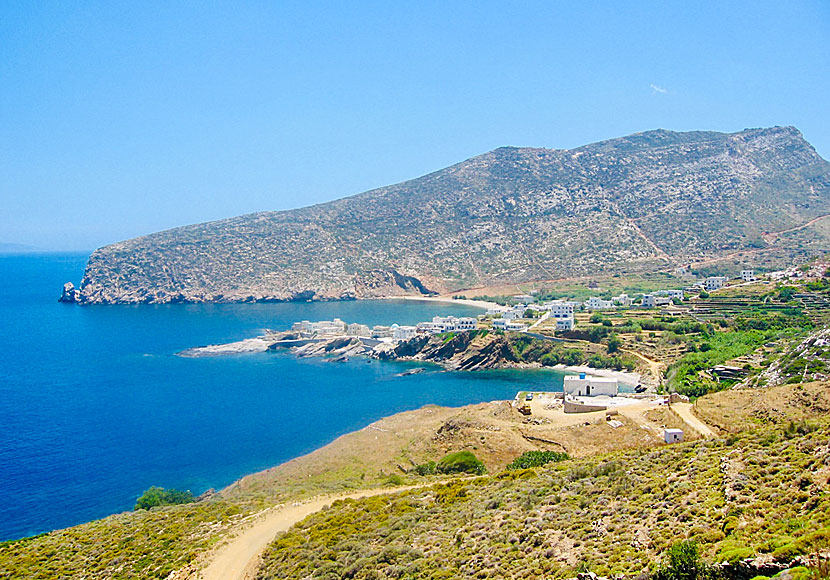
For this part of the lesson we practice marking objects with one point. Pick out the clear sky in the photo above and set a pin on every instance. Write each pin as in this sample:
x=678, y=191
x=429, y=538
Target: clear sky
x=120, y=119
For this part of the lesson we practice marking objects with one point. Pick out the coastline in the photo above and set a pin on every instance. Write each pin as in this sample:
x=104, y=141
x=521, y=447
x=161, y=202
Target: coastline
x=483, y=304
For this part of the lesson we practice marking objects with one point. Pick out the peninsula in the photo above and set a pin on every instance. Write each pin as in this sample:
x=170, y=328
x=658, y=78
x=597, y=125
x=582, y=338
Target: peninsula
x=641, y=203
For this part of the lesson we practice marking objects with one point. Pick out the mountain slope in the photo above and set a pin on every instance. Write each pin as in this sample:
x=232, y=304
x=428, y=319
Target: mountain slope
x=638, y=203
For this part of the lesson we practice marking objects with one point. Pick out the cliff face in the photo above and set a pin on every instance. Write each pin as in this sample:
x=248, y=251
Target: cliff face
x=511, y=215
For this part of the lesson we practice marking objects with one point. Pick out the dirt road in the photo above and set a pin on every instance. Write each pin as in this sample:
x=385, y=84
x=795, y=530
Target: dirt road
x=685, y=412
x=238, y=560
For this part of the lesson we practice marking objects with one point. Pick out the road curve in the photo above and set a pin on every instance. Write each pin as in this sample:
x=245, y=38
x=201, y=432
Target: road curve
x=238, y=559
x=685, y=412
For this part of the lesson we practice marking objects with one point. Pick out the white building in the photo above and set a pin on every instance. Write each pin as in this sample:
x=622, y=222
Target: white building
x=596, y=303
x=622, y=300
x=379, y=331
x=512, y=314
x=585, y=386
x=335, y=326
x=466, y=323
x=496, y=311
x=562, y=312
x=403, y=332
x=428, y=328
x=355, y=329
x=671, y=294
x=653, y=300
x=673, y=435
x=748, y=275
x=714, y=283
x=508, y=325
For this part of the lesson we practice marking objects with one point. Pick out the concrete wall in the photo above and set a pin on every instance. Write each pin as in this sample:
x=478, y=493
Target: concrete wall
x=572, y=406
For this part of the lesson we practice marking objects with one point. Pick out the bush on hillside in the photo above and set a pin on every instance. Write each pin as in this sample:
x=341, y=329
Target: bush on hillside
x=682, y=561
x=460, y=462
x=157, y=496
x=536, y=459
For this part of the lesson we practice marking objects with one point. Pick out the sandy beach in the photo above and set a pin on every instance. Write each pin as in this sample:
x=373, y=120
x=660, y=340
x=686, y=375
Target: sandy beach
x=449, y=300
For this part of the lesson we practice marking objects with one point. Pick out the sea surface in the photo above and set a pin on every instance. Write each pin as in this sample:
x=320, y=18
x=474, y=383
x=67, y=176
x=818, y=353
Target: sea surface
x=95, y=407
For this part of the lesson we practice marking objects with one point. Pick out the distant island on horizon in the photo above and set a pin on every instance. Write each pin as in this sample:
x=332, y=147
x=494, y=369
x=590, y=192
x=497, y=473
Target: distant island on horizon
x=646, y=202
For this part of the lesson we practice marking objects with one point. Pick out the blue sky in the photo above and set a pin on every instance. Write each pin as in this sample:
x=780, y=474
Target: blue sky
x=121, y=120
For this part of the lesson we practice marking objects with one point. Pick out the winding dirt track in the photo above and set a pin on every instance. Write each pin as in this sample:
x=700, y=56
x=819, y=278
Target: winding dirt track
x=685, y=412
x=239, y=559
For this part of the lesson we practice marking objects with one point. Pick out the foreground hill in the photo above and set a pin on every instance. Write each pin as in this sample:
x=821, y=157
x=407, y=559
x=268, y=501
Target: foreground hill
x=636, y=203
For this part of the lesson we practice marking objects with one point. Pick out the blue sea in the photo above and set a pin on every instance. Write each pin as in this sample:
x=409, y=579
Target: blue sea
x=95, y=407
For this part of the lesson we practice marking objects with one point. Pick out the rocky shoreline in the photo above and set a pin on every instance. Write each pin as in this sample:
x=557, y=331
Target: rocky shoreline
x=463, y=351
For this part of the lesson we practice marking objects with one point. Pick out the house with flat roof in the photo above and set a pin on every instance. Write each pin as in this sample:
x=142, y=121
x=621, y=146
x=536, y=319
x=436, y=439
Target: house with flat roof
x=582, y=385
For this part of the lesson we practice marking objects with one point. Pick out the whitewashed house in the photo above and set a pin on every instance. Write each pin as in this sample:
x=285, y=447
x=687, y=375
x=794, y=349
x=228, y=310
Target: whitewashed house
x=584, y=386
x=622, y=300
x=671, y=294
x=596, y=303
x=673, y=435
x=653, y=300
x=508, y=325
x=403, y=332
x=565, y=323
x=379, y=331
x=562, y=313
x=748, y=275
x=512, y=314
x=466, y=323
x=427, y=328
x=355, y=329
x=714, y=283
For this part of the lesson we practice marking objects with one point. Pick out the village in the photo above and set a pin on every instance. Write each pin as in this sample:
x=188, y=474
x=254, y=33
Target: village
x=585, y=395
x=522, y=316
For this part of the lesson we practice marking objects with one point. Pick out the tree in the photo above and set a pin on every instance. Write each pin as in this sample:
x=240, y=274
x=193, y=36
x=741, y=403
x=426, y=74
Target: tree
x=157, y=496
x=614, y=343
x=460, y=462
x=682, y=562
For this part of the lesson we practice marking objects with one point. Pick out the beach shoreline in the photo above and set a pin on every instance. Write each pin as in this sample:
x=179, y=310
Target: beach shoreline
x=483, y=304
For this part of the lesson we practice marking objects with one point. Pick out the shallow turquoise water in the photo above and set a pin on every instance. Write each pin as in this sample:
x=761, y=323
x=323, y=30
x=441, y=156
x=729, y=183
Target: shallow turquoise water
x=95, y=407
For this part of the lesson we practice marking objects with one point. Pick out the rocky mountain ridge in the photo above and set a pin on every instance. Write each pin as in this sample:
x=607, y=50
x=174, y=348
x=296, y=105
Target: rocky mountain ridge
x=637, y=203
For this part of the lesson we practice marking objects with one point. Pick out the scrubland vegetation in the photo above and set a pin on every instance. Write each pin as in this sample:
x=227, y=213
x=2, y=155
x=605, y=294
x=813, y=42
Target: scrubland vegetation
x=762, y=492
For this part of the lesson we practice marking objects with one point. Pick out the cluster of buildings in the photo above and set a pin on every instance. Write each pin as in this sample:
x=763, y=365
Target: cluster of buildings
x=394, y=332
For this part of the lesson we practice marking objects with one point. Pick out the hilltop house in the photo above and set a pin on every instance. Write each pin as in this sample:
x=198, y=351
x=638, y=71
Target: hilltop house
x=653, y=300
x=508, y=325
x=671, y=294
x=585, y=386
x=563, y=313
x=714, y=283
x=596, y=303
x=748, y=275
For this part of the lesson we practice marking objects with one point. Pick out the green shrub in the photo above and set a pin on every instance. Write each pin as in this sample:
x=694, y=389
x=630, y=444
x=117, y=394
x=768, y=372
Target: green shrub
x=427, y=468
x=460, y=462
x=536, y=459
x=682, y=562
x=158, y=496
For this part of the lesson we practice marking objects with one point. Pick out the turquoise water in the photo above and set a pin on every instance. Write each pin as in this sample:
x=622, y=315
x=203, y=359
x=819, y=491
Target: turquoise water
x=95, y=407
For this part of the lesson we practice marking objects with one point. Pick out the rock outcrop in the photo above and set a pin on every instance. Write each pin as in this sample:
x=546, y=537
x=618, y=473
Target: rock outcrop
x=70, y=294
x=638, y=203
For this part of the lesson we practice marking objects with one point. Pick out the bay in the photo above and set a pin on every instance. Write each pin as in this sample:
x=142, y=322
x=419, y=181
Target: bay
x=95, y=407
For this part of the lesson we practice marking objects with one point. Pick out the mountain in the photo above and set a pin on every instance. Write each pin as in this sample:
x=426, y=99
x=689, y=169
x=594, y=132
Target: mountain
x=637, y=203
